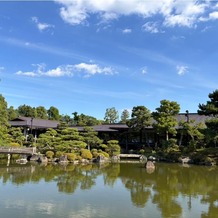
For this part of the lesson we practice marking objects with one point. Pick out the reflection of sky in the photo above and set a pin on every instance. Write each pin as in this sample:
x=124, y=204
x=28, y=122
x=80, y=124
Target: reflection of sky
x=197, y=208
x=44, y=200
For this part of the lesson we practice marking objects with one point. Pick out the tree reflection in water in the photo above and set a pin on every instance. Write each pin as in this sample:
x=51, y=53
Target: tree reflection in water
x=163, y=187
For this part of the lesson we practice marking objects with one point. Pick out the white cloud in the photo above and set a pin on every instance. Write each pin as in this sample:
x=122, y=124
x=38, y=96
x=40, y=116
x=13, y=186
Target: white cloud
x=92, y=69
x=41, y=26
x=1, y=69
x=127, y=30
x=171, y=12
x=67, y=70
x=31, y=74
x=181, y=70
x=213, y=15
x=151, y=27
x=109, y=16
x=144, y=70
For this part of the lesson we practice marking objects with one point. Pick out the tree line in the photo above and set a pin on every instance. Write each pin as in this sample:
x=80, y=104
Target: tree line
x=40, y=112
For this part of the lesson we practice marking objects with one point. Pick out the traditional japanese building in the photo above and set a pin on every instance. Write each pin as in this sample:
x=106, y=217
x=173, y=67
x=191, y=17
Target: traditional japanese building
x=128, y=137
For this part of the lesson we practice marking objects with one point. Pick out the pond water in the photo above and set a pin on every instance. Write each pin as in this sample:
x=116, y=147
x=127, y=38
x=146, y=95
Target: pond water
x=109, y=190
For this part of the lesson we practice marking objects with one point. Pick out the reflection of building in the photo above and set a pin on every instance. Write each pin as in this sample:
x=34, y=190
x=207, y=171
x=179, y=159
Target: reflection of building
x=128, y=138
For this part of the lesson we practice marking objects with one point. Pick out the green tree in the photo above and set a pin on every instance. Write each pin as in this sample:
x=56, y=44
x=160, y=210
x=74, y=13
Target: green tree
x=16, y=135
x=113, y=147
x=4, y=137
x=111, y=115
x=140, y=119
x=41, y=112
x=12, y=113
x=192, y=131
x=70, y=140
x=53, y=113
x=91, y=137
x=66, y=119
x=124, y=116
x=26, y=111
x=165, y=117
x=47, y=139
x=75, y=118
x=84, y=120
x=211, y=109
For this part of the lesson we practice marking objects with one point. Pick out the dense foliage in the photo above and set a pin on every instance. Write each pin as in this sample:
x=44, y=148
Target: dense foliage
x=165, y=117
x=211, y=109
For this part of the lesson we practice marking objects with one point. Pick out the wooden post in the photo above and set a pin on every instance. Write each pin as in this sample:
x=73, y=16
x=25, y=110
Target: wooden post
x=9, y=158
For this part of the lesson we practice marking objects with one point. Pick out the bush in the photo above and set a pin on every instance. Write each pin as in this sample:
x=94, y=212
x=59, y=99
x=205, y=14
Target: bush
x=14, y=144
x=78, y=157
x=141, y=151
x=192, y=146
x=59, y=153
x=113, y=147
x=71, y=156
x=94, y=153
x=86, y=154
x=170, y=145
x=104, y=154
x=49, y=154
x=209, y=161
x=198, y=158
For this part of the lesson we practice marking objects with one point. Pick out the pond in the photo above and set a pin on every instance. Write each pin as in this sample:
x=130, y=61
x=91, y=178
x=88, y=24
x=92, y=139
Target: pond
x=109, y=190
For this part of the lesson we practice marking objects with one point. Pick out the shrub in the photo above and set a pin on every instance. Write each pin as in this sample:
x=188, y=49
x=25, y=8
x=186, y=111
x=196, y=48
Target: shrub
x=71, y=156
x=94, y=153
x=86, y=154
x=59, y=153
x=49, y=154
x=78, y=157
x=105, y=154
x=192, y=146
x=14, y=144
x=113, y=147
x=141, y=151
x=198, y=158
x=170, y=145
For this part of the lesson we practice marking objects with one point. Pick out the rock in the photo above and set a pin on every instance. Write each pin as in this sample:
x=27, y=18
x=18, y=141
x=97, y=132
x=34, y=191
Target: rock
x=150, y=165
x=100, y=159
x=151, y=158
x=185, y=160
x=143, y=158
x=35, y=157
x=42, y=159
x=115, y=158
x=63, y=159
x=85, y=161
x=21, y=161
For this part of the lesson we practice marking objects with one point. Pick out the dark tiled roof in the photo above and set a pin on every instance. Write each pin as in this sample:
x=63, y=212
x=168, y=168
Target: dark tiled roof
x=40, y=123
x=192, y=116
x=99, y=128
x=34, y=122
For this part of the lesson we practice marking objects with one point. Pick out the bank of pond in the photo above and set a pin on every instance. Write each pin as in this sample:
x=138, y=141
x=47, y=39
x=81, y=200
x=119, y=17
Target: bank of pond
x=208, y=157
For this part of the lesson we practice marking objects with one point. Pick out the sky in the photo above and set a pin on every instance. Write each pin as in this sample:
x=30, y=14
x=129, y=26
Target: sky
x=87, y=56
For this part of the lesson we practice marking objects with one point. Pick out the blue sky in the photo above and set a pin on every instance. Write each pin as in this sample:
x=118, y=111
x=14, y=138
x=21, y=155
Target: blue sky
x=90, y=55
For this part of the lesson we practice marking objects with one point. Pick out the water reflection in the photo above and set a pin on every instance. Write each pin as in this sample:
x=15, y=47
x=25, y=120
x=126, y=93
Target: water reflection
x=171, y=190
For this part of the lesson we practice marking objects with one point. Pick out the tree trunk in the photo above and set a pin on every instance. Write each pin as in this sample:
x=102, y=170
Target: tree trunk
x=180, y=140
x=167, y=135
